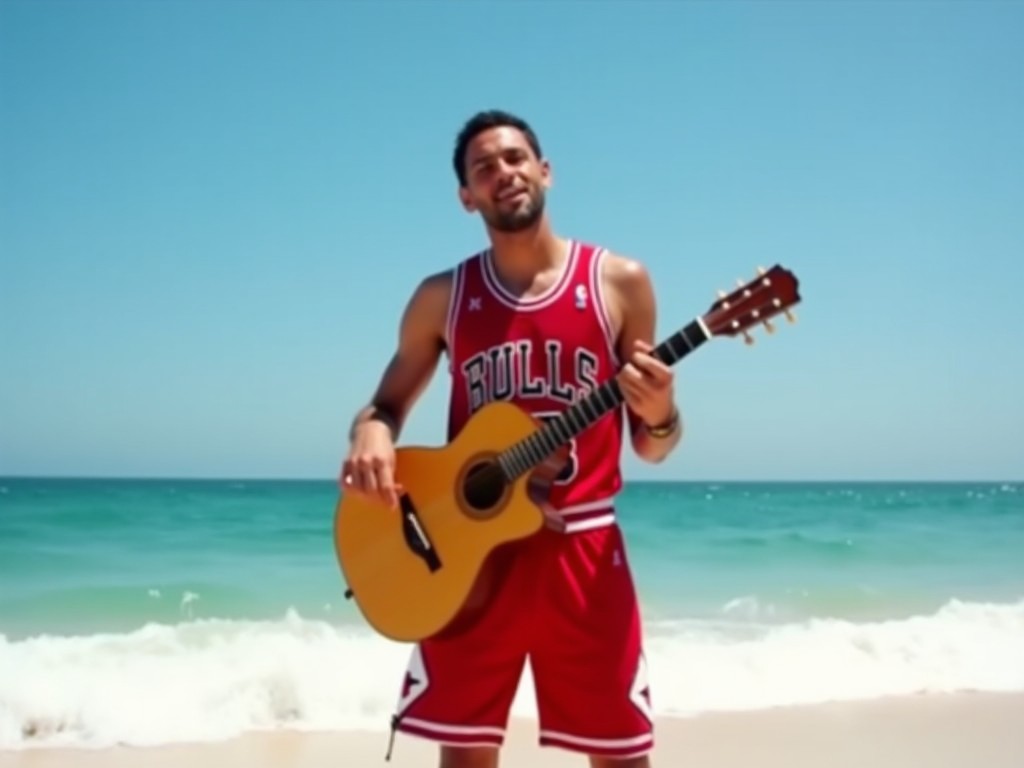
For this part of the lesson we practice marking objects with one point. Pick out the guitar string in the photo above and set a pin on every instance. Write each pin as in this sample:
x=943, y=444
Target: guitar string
x=536, y=447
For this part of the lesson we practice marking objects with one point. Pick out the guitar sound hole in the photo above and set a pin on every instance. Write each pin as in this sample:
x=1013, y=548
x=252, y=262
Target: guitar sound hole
x=485, y=485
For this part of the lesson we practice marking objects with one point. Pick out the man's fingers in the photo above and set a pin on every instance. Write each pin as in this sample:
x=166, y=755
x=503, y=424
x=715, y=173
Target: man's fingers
x=630, y=372
x=636, y=379
x=375, y=477
x=651, y=367
x=633, y=389
x=368, y=480
x=353, y=477
x=360, y=475
x=386, y=484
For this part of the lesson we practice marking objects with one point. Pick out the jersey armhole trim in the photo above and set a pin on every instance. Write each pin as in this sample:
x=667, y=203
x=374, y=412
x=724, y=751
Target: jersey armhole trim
x=454, y=301
x=600, y=305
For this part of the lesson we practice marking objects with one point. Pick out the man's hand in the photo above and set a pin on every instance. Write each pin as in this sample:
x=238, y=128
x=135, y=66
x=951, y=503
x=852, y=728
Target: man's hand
x=370, y=466
x=648, y=386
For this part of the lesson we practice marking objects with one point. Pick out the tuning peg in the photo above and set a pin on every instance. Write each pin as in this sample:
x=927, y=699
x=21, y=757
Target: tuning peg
x=768, y=327
x=747, y=338
x=790, y=316
x=722, y=294
x=739, y=282
x=762, y=271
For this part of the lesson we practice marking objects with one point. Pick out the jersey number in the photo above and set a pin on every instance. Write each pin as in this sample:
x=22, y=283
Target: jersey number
x=568, y=472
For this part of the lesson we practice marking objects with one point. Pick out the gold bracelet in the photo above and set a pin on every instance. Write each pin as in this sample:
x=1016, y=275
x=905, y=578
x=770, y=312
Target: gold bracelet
x=661, y=431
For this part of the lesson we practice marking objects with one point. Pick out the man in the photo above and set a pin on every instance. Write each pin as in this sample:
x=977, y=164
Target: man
x=537, y=319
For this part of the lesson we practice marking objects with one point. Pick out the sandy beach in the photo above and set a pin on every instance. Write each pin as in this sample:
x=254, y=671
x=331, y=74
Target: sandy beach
x=939, y=731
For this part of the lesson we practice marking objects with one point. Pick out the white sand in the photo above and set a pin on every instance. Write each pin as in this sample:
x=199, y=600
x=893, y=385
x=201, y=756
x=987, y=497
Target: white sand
x=955, y=731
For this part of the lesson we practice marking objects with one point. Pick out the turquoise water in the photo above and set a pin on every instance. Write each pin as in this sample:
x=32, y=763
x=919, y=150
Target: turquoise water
x=772, y=593
x=91, y=555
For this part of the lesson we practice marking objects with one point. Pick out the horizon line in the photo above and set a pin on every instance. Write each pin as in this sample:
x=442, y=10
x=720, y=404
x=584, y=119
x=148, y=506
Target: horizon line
x=625, y=480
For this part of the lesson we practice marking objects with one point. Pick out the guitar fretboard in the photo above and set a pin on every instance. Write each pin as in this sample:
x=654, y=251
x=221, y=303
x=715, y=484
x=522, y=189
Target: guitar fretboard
x=534, y=449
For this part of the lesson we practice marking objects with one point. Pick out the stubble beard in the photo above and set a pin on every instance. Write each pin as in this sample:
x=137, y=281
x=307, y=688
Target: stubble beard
x=521, y=218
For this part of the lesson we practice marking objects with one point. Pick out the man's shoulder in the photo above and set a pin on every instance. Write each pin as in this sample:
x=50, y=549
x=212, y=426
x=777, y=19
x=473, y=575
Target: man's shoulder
x=624, y=272
x=443, y=279
x=433, y=290
x=428, y=304
x=440, y=280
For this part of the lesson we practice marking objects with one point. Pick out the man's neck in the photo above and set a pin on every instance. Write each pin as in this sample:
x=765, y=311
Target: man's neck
x=521, y=256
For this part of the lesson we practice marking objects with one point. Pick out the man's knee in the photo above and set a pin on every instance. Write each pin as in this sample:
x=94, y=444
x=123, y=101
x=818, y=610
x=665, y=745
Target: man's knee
x=620, y=762
x=469, y=757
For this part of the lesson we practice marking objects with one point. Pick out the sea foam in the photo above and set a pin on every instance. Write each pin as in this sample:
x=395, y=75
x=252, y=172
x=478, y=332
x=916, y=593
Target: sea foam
x=207, y=679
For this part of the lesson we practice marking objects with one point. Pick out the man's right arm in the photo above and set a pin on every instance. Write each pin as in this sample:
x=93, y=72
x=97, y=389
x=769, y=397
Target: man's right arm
x=375, y=428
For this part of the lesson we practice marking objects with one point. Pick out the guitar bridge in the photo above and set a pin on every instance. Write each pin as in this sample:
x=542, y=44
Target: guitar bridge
x=416, y=537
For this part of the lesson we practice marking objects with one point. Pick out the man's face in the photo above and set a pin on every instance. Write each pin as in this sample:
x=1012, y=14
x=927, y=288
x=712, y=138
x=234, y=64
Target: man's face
x=505, y=181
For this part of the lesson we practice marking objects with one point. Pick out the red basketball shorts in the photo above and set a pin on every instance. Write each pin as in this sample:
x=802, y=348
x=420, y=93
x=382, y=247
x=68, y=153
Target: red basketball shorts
x=567, y=603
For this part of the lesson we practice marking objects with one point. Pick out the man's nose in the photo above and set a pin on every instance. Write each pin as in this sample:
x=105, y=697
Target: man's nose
x=505, y=170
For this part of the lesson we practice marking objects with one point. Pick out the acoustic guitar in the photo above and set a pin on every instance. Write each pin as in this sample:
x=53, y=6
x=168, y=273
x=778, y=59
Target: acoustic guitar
x=412, y=570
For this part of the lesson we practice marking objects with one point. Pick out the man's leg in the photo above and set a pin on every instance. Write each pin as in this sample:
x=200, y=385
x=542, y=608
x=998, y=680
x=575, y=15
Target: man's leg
x=459, y=686
x=483, y=757
x=469, y=757
x=589, y=669
x=620, y=762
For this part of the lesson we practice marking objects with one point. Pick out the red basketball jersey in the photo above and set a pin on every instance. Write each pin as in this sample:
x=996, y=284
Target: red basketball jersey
x=543, y=353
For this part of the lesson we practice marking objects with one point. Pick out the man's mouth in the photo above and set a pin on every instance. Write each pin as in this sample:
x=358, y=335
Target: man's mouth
x=511, y=194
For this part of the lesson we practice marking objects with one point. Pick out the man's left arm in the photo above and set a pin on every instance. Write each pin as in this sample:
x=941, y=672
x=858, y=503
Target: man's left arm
x=648, y=385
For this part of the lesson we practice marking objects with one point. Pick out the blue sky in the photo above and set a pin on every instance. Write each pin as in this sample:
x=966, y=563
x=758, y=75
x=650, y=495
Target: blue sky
x=212, y=214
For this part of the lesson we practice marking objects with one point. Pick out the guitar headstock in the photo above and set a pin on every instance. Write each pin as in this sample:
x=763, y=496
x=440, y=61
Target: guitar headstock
x=771, y=293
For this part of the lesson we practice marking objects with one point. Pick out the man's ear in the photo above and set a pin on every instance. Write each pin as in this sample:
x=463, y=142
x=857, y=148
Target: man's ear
x=466, y=201
x=546, y=175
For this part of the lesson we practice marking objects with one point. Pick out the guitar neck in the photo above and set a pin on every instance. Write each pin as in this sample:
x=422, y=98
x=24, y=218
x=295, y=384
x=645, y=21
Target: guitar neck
x=534, y=449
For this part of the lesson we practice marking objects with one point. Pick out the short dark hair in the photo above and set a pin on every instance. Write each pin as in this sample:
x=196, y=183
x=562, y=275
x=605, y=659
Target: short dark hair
x=482, y=121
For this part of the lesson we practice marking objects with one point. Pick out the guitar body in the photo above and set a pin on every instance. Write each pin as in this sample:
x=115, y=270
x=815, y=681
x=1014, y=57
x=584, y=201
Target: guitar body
x=409, y=592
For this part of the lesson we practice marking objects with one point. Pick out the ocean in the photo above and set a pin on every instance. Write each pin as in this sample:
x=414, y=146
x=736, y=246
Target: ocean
x=150, y=612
